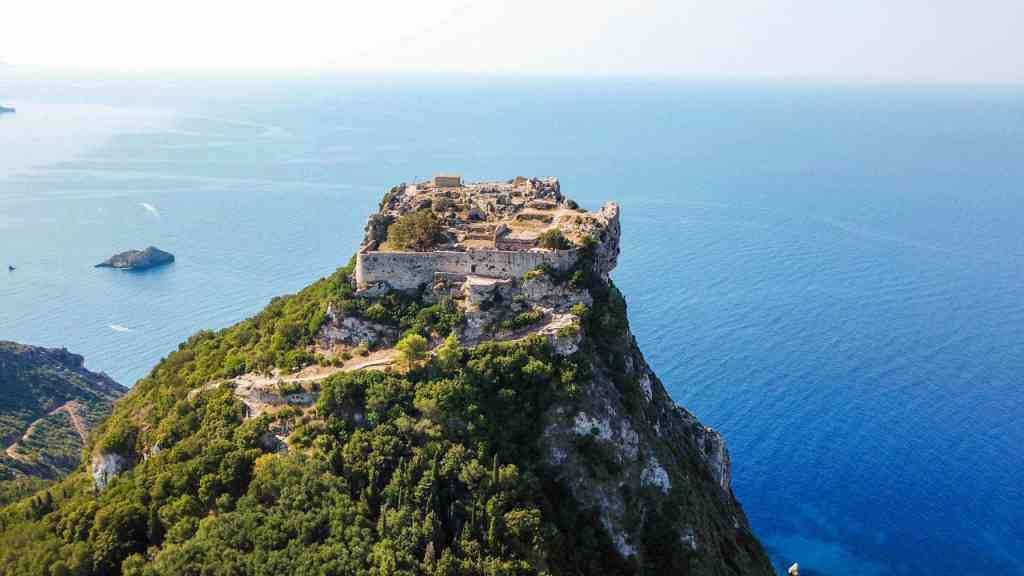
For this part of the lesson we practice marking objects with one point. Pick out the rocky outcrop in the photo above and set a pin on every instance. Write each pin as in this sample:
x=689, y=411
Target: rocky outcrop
x=563, y=333
x=138, y=259
x=492, y=307
x=712, y=449
x=543, y=290
x=353, y=331
x=625, y=450
x=608, y=234
x=376, y=231
x=479, y=291
x=105, y=466
x=621, y=446
x=657, y=479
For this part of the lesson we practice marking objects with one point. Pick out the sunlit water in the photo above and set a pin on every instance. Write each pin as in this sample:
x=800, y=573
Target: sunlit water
x=831, y=276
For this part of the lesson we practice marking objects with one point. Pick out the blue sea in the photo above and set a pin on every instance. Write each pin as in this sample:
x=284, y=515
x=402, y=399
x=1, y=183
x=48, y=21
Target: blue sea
x=832, y=275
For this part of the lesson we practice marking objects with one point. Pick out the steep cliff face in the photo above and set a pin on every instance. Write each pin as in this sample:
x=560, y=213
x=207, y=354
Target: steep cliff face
x=658, y=477
x=657, y=480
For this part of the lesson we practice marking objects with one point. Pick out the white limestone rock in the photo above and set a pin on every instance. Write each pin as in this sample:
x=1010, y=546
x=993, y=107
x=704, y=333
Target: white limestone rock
x=715, y=453
x=655, y=475
x=479, y=290
x=105, y=466
x=354, y=331
x=689, y=538
x=563, y=333
x=543, y=291
x=645, y=387
x=599, y=427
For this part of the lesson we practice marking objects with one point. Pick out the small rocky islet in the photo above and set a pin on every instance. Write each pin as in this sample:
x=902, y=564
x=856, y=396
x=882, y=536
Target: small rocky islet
x=138, y=259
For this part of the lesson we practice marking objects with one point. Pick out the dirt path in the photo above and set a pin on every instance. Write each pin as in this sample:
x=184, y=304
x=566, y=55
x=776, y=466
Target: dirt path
x=260, y=392
x=374, y=360
x=253, y=380
x=12, y=452
x=70, y=408
x=378, y=359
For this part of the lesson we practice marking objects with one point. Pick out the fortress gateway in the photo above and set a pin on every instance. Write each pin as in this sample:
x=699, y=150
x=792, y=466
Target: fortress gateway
x=489, y=230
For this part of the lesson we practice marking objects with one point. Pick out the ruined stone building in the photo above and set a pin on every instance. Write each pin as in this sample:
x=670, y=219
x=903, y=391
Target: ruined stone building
x=490, y=230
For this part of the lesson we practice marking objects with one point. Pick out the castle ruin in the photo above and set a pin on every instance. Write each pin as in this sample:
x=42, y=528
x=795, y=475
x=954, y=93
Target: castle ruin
x=490, y=230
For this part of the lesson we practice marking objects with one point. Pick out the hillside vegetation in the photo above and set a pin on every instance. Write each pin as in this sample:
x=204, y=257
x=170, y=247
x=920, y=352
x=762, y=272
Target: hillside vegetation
x=487, y=456
x=48, y=403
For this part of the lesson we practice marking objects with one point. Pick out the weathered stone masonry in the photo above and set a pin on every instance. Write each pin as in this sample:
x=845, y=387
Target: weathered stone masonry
x=410, y=270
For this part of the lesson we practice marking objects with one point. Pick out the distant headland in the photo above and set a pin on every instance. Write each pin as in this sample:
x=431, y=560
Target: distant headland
x=6, y=110
x=138, y=259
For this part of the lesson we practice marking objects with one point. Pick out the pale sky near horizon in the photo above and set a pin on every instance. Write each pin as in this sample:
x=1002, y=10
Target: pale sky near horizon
x=869, y=40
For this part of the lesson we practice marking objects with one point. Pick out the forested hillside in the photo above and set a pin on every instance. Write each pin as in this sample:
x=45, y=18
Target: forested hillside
x=48, y=404
x=339, y=433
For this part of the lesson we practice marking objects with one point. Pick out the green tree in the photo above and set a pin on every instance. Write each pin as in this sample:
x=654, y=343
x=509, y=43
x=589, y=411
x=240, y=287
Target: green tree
x=553, y=239
x=450, y=353
x=417, y=231
x=411, y=349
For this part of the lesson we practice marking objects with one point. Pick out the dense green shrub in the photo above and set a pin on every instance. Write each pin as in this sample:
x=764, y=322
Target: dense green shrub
x=580, y=310
x=417, y=231
x=449, y=354
x=522, y=320
x=553, y=239
x=539, y=271
x=411, y=349
x=17, y=488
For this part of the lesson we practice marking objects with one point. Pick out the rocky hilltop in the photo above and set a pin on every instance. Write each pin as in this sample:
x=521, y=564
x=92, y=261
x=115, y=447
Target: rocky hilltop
x=138, y=259
x=620, y=445
x=49, y=402
x=464, y=397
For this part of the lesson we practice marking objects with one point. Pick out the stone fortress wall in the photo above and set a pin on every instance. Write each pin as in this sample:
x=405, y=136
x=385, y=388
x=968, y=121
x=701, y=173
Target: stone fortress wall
x=410, y=270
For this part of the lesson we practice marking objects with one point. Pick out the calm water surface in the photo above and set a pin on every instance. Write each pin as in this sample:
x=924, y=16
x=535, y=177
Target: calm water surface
x=832, y=276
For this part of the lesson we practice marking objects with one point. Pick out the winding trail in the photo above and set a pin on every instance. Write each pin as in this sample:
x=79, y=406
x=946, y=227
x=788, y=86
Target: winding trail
x=71, y=408
x=377, y=359
x=260, y=393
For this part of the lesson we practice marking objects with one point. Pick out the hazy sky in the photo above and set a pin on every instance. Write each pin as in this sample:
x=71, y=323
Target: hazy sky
x=874, y=40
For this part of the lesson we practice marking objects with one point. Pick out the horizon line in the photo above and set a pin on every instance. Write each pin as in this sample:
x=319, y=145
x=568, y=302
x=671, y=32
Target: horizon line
x=392, y=75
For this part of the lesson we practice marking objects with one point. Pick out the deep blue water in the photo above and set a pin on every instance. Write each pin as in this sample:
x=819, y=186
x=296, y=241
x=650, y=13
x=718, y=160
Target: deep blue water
x=833, y=276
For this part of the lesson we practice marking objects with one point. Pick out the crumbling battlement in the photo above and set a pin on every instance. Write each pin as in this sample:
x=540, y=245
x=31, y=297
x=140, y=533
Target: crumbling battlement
x=490, y=229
